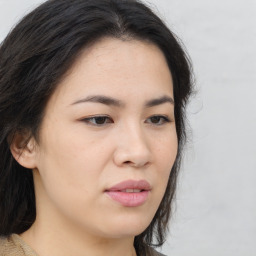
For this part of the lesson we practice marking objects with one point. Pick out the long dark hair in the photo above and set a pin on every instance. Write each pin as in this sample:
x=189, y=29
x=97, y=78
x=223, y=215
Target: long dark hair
x=36, y=55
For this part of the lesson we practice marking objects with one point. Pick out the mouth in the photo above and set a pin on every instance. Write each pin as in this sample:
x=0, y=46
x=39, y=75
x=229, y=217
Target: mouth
x=130, y=190
x=130, y=193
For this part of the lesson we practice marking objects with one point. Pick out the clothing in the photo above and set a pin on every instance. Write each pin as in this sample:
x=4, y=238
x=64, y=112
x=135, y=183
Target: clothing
x=15, y=246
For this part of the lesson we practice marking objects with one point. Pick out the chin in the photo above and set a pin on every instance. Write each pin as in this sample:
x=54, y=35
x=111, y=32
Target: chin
x=129, y=226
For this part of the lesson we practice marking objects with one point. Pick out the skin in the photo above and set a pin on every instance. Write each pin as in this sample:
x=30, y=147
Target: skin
x=76, y=159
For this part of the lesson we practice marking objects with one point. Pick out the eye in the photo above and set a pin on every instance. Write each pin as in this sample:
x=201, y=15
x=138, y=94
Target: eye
x=97, y=120
x=158, y=120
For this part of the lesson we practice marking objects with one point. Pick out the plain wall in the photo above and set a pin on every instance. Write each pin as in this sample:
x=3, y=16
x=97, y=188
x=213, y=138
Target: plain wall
x=216, y=199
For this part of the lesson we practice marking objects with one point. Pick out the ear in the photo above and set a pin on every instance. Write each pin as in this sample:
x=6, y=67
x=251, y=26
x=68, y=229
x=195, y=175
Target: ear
x=24, y=150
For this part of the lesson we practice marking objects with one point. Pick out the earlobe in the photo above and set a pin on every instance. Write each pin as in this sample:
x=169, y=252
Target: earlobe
x=24, y=150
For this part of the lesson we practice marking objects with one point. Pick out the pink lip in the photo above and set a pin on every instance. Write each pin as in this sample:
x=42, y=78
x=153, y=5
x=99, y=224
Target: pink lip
x=130, y=199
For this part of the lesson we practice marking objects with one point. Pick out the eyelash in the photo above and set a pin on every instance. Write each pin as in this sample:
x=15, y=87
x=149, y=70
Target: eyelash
x=93, y=120
x=104, y=118
x=164, y=119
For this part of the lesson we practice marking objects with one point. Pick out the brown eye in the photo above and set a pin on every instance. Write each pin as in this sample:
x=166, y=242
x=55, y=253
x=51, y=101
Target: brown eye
x=98, y=120
x=158, y=120
x=155, y=119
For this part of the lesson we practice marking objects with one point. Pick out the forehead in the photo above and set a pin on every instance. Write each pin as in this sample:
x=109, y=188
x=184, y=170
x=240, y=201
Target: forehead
x=114, y=66
x=117, y=54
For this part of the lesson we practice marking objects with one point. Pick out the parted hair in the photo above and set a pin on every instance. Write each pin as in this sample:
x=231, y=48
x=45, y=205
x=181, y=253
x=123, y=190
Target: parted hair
x=37, y=54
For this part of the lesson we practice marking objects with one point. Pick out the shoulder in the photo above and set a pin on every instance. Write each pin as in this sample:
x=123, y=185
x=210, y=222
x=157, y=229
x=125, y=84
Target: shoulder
x=14, y=246
x=7, y=247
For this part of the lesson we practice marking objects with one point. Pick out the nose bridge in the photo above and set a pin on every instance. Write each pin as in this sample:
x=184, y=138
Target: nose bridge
x=133, y=147
x=136, y=136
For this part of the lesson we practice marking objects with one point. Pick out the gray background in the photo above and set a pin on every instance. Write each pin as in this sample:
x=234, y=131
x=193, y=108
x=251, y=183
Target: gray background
x=215, y=208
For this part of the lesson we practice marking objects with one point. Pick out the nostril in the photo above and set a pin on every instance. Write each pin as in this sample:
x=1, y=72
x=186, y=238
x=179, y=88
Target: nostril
x=135, y=164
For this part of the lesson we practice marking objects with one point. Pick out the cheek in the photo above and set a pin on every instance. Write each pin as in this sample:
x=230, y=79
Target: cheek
x=67, y=179
x=165, y=152
x=72, y=160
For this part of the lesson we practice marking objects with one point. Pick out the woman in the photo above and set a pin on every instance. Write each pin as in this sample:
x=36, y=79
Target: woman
x=92, y=106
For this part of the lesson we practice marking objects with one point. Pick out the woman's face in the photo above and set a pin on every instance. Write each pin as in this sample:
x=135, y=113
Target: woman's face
x=107, y=141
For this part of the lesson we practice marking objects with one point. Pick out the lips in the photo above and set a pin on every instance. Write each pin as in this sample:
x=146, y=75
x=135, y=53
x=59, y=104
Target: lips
x=130, y=193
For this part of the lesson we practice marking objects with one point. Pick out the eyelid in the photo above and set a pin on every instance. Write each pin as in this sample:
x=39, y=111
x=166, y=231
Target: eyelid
x=165, y=119
x=88, y=120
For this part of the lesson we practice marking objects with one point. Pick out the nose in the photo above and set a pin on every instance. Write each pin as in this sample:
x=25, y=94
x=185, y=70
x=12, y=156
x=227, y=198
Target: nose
x=132, y=148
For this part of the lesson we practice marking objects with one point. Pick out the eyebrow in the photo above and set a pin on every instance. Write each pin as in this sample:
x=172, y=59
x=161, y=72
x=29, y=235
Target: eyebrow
x=109, y=101
x=100, y=99
x=159, y=101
